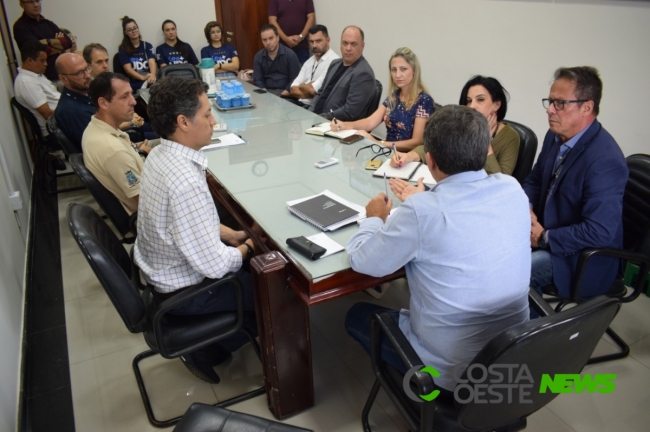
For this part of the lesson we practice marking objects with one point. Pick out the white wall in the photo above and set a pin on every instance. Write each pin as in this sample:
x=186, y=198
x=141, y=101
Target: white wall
x=99, y=20
x=13, y=227
x=519, y=42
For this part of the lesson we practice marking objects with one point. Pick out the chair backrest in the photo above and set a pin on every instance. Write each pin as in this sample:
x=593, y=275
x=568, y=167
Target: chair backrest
x=66, y=144
x=117, y=65
x=636, y=205
x=110, y=262
x=30, y=119
x=557, y=344
x=186, y=71
x=527, y=151
x=374, y=101
x=106, y=200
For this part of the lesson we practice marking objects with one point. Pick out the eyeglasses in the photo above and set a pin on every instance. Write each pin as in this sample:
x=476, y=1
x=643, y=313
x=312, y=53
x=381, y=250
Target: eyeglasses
x=558, y=104
x=376, y=148
x=32, y=2
x=131, y=30
x=80, y=74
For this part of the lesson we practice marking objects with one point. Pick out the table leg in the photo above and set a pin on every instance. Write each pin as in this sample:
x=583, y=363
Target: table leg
x=283, y=321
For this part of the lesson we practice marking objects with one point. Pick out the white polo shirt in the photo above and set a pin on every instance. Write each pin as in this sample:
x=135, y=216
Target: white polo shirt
x=33, y=90
x=314, y=72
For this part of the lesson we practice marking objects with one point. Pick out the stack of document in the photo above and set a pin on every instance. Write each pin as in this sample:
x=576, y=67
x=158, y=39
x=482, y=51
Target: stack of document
x=326, y=211
x=226, y=140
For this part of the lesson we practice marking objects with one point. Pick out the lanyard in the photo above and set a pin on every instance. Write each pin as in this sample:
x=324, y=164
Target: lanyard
x=313, y=70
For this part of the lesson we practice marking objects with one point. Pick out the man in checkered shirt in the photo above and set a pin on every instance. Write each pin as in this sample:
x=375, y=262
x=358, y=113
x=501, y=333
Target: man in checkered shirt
x=180, y=238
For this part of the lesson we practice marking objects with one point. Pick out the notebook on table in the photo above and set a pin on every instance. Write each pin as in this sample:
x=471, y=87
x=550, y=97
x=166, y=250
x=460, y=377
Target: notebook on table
x=323, y=129
x=404, y=172
x=326, y=211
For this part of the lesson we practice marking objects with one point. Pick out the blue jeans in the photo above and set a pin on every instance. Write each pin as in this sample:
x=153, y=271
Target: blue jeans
x=223, y=299
x=541, y=272
x=357, y=324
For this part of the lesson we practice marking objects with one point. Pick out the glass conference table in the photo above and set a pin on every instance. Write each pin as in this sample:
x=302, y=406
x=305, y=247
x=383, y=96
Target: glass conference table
x=253, y=182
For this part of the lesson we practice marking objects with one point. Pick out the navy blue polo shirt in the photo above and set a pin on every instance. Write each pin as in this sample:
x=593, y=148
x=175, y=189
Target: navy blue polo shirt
x=73, y=114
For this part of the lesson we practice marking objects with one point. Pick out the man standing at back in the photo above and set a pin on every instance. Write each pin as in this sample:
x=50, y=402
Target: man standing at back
x=293, y=19
x=32, y=26
x=349, y=85
x=576, y=188
x=464, y=245
x=108, y=152
x=275, y=66
x=180, y=238
x=312, y=74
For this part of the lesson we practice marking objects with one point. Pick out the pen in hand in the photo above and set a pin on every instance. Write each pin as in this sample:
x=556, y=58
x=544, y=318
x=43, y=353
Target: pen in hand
x=399, y=160
x=386, y=188
x=334, y=118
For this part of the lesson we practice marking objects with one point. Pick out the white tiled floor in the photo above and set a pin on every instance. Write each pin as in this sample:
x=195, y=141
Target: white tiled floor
x=106, y=397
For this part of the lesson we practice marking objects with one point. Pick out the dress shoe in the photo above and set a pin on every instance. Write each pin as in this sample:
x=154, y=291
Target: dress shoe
x=201, y=366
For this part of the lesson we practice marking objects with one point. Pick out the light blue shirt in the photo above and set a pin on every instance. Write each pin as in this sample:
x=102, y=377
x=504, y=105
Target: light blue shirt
x=465, y=245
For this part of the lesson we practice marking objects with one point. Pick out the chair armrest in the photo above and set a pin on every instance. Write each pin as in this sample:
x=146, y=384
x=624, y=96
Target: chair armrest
x=642, y=260
x=382, y=323
x=537, y=302
x=193, y=292
x=133, y=223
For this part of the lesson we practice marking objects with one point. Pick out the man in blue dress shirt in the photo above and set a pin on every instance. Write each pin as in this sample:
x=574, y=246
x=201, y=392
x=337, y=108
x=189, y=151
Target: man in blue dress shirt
x=464, y=244
x=576, y=188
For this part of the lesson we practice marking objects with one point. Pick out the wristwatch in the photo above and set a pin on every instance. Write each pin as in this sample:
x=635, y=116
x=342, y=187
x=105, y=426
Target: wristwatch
x=542, y=241
x=300, y=36
x=250, y=250
x=382, y=142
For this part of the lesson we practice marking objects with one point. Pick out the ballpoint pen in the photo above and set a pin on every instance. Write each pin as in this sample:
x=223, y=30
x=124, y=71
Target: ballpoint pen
x=333, y=118
x=399, y=161
x=386, y=187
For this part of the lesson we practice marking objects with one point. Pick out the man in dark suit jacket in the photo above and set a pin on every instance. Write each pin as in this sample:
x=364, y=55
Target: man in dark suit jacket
x=576, y=188
x=349, y=85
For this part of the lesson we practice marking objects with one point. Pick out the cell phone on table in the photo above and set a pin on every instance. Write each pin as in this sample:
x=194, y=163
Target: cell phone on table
x=260, y=91
x=326, y=163
x=351, y=139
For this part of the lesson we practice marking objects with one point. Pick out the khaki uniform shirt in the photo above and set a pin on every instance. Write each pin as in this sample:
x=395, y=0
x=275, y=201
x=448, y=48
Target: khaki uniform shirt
x=110, y=156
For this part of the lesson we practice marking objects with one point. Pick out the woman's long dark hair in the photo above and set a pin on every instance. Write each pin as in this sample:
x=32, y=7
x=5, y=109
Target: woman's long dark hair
x=126, y=44
x=497, y=92
x=180, y=45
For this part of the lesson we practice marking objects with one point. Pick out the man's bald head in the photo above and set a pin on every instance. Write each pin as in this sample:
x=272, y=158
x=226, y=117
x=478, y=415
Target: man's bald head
x=74, y=72
x=352, y=44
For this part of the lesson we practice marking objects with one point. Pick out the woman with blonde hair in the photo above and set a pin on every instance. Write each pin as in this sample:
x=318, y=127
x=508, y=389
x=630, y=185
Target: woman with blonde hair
x=406, y=109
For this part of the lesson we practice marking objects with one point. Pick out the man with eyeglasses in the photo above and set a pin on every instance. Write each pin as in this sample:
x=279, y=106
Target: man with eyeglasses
x=576, y=188
x=32, y=26
x=75, y=107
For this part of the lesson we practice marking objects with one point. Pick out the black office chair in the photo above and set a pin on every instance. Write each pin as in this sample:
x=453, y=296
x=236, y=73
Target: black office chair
x=374, y=101
x=43, y=147
x=557, y=344
x=171, y=336
x=207, y=418
x=117, y=65
x=66, y=143
x=186, y=71
x=527, y=151
x=636, y=249
x=110, y=205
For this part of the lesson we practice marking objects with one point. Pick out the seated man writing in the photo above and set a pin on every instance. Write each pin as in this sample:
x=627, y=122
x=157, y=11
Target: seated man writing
x=465, y=246
x=180, y=238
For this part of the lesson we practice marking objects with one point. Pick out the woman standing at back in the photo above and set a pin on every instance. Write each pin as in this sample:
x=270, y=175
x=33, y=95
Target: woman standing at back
x=136, y=56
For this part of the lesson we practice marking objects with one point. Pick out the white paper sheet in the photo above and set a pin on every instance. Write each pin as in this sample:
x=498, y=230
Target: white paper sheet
x=322, y=240
x=227, y=140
